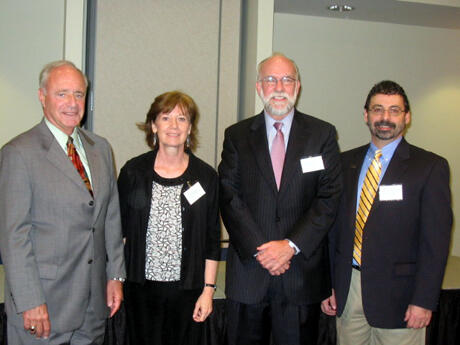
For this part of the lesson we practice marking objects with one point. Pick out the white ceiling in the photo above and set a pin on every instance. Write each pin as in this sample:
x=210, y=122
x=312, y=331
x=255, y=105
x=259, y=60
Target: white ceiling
x=434, y=13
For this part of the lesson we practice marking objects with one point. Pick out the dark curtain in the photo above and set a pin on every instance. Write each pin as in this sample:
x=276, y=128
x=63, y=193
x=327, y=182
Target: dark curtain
x=3, y=325
x=444, y=328
x=445, y=325
x=115, y=329
x=214, y=329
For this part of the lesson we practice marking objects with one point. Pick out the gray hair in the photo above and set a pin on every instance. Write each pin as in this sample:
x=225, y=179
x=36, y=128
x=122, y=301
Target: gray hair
x=48, y=68
x=277, y=54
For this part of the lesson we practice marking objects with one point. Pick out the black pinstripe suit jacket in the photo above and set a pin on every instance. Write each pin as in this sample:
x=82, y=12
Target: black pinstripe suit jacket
x=255, y=212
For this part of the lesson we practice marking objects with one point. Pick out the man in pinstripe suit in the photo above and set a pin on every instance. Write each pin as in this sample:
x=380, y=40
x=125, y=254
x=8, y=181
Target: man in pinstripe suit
x=278, y=220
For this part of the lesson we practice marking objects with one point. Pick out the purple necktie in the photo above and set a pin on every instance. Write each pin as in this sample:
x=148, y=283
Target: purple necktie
x=277, y=153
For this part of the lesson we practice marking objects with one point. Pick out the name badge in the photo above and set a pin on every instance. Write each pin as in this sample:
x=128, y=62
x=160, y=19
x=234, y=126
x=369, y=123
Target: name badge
x=391, y=192
x=312, y=164
x=194, y=193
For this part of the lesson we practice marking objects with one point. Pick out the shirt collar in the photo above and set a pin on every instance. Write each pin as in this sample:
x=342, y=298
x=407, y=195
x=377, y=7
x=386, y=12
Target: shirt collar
x=287, y=122
x=61, y=137
x=387, y=151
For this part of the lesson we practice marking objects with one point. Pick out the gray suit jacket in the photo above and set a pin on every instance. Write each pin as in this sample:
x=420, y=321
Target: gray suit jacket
x=58, y=245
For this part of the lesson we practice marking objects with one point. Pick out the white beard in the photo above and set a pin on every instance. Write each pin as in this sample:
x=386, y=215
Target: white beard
x=278, y=111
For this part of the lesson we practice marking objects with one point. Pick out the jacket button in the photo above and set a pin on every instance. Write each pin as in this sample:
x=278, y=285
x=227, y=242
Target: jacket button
x=91, y=203
x=92, y=229
x=90, y=261
x=277, y=219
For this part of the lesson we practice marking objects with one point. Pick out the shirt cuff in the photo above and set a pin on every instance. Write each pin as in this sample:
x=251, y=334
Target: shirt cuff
x=292, y=245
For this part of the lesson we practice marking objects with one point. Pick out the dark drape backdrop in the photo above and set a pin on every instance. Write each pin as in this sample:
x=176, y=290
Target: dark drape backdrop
x=444, y=328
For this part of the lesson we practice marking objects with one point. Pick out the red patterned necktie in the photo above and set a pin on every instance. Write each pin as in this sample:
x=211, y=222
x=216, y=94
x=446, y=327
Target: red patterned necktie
x=75, y=158
x=277, y=153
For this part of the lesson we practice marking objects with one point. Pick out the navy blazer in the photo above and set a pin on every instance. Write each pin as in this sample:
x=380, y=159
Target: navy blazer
x=405, y=242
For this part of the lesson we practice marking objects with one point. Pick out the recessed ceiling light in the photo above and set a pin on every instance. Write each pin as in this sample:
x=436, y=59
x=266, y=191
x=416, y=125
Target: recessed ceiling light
x=340, y=8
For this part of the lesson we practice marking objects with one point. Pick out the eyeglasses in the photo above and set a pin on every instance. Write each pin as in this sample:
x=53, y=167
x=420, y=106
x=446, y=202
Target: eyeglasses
x=392, y=111
x=271, y=81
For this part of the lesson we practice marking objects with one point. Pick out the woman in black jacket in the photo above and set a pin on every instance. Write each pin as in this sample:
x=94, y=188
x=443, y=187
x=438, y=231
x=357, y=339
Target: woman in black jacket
x=169, y=209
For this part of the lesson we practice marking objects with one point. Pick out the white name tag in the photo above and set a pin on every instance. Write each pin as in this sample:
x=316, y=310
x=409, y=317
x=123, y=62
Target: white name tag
x=390, y=192
x=312, y=164
x=194, y=193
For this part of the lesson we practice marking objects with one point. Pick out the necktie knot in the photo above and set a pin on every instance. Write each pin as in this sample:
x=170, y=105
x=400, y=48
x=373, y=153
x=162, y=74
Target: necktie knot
x=278, y=126
x=378, y=154
x=69, y=141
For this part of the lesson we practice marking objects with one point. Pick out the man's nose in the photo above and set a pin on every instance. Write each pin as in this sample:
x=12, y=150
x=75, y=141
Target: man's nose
x=72, y=100
x=279, y=86
x=386, y=114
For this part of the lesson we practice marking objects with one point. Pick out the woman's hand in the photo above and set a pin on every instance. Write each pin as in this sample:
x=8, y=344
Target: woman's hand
x=203, y=306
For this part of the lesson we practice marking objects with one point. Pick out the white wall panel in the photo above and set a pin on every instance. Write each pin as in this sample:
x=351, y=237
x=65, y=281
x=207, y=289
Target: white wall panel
x=340, y=60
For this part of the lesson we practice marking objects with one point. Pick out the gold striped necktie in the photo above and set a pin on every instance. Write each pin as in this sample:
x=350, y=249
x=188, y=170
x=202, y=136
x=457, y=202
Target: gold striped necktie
x=368, y=192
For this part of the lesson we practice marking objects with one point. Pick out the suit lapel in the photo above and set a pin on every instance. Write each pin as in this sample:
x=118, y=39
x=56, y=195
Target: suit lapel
x=298, y=139
x=57, y=157
x=94, y=162
x=259, y=145
x=353, y=168
x=145, y=186
x=397, y=167
x=398, y=163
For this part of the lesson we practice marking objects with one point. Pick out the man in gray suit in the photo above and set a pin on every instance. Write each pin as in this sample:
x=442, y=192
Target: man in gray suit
x=60, y=232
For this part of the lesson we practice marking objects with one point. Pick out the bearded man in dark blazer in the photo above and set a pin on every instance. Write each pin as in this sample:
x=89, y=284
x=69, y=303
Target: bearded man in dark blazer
x=280, y=186
x=389, y=254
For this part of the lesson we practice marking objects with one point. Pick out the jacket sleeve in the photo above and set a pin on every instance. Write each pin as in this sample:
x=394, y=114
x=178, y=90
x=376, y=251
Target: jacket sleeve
x=113, y=239
x=124, y=188
x=213, y=222
x=244, y=232
x=435, y=229
x=20, y=265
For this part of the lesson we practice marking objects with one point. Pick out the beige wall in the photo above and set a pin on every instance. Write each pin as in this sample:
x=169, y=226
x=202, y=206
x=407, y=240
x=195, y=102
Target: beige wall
x=256, y=43
x=33, y=33
x=23, y=54
x=195, y=47
x=340, y=60
x=170, y=44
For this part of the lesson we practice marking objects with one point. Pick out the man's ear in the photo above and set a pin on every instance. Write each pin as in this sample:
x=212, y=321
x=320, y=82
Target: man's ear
x=407, y=118
x=42, y=96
